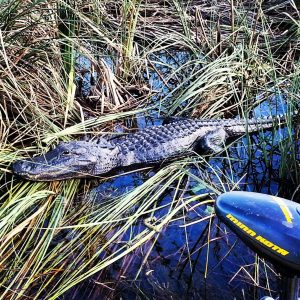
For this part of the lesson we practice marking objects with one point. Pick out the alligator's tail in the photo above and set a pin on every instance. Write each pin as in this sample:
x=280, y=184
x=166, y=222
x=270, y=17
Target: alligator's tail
x=238, y=127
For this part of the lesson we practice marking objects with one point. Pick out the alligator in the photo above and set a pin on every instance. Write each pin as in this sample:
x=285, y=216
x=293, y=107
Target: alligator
x=150, y=146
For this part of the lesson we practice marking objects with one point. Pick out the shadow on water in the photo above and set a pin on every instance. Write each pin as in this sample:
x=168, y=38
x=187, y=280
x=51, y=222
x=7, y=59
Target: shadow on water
x=181, y=263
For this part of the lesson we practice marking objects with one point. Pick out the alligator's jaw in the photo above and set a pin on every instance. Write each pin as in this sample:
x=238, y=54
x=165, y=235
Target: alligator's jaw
x=31, y=170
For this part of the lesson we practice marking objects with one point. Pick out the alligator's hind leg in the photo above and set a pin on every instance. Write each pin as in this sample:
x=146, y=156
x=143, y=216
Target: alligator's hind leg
x=212, y=142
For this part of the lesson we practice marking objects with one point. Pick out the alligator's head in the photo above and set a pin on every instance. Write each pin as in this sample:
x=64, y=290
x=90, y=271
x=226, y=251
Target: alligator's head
x=75, y=159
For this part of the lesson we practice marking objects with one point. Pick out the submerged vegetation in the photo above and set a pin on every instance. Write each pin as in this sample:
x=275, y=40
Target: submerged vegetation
x=71, y=69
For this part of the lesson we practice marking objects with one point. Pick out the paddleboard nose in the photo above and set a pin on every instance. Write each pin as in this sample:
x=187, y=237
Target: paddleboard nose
x=268, y=224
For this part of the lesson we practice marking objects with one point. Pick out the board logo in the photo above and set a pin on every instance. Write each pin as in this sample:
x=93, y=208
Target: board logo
x=257, y=237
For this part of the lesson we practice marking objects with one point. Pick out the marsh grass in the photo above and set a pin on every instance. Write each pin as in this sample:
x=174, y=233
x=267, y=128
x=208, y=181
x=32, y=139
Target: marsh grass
x=52, y=239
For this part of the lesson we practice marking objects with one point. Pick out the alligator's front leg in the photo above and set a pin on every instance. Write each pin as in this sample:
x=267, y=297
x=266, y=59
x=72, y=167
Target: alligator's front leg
x=212, y=142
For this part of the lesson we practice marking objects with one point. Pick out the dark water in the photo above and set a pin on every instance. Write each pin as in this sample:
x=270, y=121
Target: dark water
x=178, y=259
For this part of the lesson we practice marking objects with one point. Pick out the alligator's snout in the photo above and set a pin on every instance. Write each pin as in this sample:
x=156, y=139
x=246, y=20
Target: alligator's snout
x=20, y=166
x=39, y=169
x=23, y=168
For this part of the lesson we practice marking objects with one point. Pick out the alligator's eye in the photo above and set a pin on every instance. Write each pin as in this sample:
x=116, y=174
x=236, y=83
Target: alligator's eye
x=66, y=152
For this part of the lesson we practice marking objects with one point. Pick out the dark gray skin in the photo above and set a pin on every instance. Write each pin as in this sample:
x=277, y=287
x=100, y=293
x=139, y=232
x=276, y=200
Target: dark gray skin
x=79, y=159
